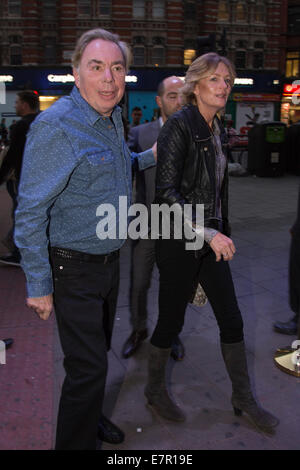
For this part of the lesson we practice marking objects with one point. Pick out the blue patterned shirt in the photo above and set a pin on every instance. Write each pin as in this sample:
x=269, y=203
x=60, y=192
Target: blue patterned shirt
x=74, y=160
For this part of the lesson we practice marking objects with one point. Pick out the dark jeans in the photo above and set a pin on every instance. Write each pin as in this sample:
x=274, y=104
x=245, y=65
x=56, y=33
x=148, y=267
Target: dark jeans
x=12, y=189
x=85, y=297
x=142, y=263
x=178, y=269
x=294, y=275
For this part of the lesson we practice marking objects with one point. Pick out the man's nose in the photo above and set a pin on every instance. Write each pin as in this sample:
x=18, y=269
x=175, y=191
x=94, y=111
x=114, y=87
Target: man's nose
x=107, y=75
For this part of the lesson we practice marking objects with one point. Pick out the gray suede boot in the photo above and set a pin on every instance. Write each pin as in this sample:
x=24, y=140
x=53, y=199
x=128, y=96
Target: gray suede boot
x=242, y=398
x=156, y=390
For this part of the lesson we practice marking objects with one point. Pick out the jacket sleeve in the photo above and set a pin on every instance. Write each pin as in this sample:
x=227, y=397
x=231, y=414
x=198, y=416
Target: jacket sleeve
x=172, y=147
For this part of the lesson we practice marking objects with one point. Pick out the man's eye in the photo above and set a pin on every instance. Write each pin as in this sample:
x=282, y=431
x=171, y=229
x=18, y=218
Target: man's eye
x=118, y=69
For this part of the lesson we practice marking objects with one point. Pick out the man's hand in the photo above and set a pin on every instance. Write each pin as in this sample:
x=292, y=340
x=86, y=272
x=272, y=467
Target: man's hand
x=154, y=150
x=222, y=246
x=41, y=305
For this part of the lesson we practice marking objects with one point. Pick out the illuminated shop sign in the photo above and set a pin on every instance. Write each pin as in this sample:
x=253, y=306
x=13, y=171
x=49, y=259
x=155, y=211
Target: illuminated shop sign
x=243, y=81
x=291, y=88
x=6, y=78
x=70, y=79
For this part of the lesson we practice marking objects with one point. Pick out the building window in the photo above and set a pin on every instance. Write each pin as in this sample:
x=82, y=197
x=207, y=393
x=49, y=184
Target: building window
x=259, y=45
x=259, y=13
x=240, y=43
x=84, y=7
x=49, y=9
x=223, y=11
x=158, y=56
x=190, y=12
x=241, y=11
x=189, y=51
x=294, y=19
x=158, y=9
x=104, y=7
x=240, y=59
x=15, y=54
x=292, y=64
x=49, y=47
x=138, y=8
x=138, y=55
x=258, y=60
x=14, y=7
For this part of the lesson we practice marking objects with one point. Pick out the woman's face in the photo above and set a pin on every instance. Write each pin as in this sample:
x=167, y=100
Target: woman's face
x=212, y=92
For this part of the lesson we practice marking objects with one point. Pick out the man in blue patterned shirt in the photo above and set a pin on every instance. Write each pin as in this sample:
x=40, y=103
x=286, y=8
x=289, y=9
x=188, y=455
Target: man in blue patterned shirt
x=75, y=160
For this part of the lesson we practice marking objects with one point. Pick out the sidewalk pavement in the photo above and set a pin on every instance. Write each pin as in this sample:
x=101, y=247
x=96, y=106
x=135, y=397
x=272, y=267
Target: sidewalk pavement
x=261, y=212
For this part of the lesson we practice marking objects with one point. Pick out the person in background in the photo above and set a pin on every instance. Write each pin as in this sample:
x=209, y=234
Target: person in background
x=76, y=160
x=143, y=255
x=233, y=139
x=192, y=169
x=27, y=107
x=136, y=116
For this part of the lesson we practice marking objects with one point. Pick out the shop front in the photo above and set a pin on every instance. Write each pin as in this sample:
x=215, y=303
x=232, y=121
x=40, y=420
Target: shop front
x=255, y=98
x=290, y=103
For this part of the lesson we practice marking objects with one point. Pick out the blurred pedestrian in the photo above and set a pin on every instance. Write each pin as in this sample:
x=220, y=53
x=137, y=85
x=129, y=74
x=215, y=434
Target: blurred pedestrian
x=233, y=139
x=192, y=169
x=291, y=327
x=75, y=161
x=3, y=129
x=27, y=107
x=143, y=255
x=136, y=116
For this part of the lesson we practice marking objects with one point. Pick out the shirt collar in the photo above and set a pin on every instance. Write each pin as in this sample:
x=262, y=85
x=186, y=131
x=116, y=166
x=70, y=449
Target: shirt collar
x=92, y=115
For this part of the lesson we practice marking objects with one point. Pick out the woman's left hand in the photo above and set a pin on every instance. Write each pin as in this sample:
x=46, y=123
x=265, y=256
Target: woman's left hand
x=222, y=246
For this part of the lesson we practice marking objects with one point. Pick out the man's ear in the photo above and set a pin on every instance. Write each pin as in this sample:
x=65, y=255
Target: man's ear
x=76, y=76
x=158, y=101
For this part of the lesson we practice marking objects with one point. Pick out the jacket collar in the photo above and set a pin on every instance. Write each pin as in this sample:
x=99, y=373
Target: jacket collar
x=200, y=128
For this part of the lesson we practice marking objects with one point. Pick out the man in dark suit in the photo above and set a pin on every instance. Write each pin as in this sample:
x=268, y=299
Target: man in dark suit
x=141, y=138
x=27, y=107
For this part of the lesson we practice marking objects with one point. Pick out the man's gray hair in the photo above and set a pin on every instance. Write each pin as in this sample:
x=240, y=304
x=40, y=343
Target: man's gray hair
x=99, y=33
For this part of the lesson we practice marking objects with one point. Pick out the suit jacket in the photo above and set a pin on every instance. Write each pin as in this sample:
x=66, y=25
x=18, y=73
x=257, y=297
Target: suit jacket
x=14, y=157
x=141, y=138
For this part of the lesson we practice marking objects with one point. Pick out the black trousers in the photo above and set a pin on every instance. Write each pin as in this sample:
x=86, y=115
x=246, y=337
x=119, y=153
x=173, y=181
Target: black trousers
x=178, y=269
x=85, y=297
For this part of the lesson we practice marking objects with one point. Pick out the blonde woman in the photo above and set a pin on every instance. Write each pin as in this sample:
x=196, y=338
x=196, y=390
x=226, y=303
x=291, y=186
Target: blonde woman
x=192, y=168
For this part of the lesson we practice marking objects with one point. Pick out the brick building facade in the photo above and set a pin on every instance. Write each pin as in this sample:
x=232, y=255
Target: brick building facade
x=161, y=33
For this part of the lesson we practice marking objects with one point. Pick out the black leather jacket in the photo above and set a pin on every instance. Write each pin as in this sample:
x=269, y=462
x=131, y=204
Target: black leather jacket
x=186, y=165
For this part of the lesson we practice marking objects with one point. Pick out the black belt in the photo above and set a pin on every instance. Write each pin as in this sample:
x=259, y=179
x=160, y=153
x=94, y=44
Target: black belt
x=72, y=254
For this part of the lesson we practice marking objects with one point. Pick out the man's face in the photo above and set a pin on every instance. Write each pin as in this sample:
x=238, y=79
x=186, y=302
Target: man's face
x=170, y=101
x=136, y=116
x=100, y=76
x=19, y=106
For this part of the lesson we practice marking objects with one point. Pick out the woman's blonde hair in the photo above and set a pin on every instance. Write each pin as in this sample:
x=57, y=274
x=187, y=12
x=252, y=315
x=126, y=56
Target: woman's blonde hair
x=99, y=33
x=202, y=67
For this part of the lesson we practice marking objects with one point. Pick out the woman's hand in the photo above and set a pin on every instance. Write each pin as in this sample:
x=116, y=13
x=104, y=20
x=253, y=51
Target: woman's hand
x=222, y=246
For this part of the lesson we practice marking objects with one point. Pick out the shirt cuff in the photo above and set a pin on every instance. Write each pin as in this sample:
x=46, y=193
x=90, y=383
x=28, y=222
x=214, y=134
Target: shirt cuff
x=146, y=159
x=39, y=289
x=209, y=234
